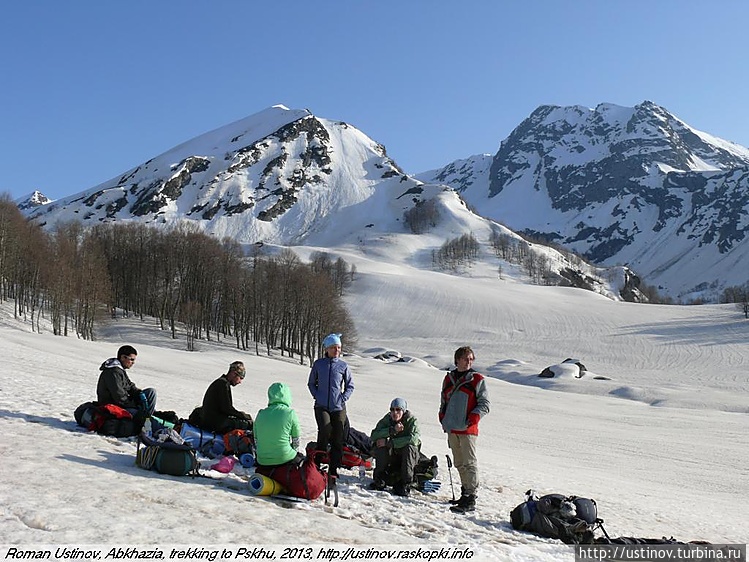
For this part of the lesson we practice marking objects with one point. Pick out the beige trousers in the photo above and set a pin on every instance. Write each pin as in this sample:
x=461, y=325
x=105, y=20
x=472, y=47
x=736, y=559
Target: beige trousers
x=464, y=458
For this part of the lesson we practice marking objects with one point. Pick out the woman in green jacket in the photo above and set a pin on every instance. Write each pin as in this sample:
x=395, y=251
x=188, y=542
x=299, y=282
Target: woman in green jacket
x=276, y=429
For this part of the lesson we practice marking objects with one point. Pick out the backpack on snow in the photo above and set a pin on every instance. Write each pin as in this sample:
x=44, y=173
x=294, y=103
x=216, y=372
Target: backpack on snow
x=108, y=419
x=571, y=519
x=239, y=441
x=303, y=480
x=351, y=457
x=166, y=453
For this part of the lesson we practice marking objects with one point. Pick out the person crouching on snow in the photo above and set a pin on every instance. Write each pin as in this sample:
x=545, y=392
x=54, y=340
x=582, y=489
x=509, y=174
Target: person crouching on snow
x=396, y=443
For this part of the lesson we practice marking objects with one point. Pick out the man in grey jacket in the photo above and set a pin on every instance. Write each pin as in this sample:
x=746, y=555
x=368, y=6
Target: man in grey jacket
x=463, y=402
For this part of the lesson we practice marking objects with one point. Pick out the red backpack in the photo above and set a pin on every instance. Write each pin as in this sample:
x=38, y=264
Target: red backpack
x=351, y=457
x=303, y=480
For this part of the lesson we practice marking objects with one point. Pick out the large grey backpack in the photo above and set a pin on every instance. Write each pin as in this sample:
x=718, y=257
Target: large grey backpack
x=571, y=519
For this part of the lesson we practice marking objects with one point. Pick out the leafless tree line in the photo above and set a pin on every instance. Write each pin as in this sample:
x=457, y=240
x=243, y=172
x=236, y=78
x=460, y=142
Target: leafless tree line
x=456, y=252
x=56, y=274
x=186, y=279
x=739, y=295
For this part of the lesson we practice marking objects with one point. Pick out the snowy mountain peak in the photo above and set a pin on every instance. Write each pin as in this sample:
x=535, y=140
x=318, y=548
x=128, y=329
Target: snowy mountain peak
x=32, y=201
x=279, y=175
x=621, y=185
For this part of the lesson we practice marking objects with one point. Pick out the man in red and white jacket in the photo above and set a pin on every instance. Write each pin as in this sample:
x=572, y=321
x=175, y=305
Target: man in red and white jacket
x=463, y=402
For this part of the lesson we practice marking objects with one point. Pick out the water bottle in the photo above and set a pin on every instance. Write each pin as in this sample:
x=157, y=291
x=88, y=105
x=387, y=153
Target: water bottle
x=147, y=426
x=247, y=460
x=362, y=472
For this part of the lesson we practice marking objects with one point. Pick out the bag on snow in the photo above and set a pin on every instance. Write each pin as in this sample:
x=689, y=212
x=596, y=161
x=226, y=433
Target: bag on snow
x=108, y=419
x=359, y=441
x=166, y=453
x=351, y=457
x=301, y=480
x=238, y=442
x=203, y=441
x=571, y=519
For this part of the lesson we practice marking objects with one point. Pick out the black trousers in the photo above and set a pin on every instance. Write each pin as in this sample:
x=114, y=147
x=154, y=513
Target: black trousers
x=399, y=464
x=330, y=432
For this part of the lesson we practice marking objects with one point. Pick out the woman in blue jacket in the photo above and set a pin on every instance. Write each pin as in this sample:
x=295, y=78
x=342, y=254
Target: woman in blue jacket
x=331, y=386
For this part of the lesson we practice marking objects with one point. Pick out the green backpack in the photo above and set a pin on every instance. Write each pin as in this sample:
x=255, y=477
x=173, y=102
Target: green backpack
x=166, y=457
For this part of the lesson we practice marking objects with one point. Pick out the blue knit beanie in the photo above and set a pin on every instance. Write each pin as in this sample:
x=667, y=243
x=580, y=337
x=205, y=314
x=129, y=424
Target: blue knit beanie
x=331, y=339
x=399, y=403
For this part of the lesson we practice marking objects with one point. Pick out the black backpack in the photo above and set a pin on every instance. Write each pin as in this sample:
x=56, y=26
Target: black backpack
x=107, y=419
x=571, y=519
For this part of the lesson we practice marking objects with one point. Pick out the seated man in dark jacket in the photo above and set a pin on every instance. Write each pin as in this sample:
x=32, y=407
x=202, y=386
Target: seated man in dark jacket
x=115, y=387
x=218, y=411
x=395, y=447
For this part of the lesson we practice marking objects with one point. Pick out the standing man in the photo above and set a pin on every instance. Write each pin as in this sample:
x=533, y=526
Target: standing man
x=463, y=402
x=218, y=412
x=115, y=387
x=331, y=386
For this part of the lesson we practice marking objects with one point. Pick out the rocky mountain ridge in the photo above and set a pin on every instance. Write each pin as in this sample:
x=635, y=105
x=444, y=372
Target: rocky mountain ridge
x=619, y=185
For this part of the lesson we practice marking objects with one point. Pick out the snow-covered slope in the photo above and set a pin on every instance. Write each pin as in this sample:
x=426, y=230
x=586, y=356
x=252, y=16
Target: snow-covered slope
x=660, y=440
x=287, y=177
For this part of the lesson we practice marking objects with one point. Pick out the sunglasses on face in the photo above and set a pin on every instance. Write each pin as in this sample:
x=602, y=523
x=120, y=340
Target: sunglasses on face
x=396, y=409
x=131, y=359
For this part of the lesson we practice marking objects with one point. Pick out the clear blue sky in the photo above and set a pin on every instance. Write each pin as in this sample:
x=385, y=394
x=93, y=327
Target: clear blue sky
x=92, y=88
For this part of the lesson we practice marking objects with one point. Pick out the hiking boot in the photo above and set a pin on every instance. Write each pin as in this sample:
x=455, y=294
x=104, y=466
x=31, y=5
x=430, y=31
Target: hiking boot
x=377, y=485
x=465, y=504
x=401, y=490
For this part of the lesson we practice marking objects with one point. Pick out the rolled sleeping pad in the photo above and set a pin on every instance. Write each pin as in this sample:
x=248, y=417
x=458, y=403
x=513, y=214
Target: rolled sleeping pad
x=261, y=485
x=247, y=460
x=163, y=423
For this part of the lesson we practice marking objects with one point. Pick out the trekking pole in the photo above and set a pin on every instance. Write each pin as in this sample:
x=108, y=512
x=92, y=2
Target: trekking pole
x=450, y=473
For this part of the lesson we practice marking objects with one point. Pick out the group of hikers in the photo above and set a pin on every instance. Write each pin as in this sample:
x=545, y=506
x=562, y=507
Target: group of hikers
x=396, y=441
